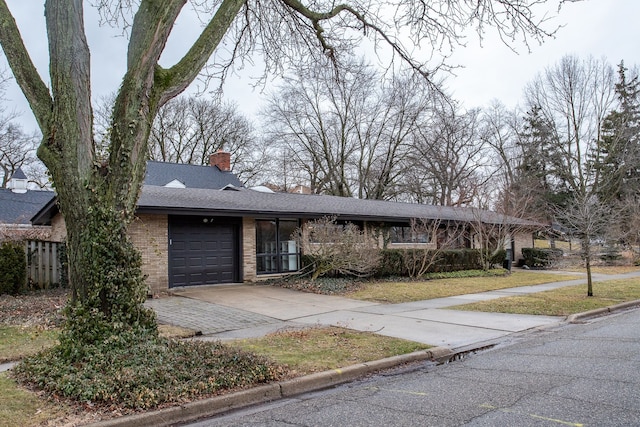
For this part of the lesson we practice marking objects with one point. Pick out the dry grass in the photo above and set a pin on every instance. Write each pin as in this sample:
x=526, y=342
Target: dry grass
x=20, y=407
x=564, y=301
x=602, y=269
x=399, y=292
x=17, y=342
x=316, y=349
x=178, y=332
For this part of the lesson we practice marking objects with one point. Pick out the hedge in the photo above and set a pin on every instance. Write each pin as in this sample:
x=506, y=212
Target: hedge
x=13, y=268
x=393, y=264
x=541, y=257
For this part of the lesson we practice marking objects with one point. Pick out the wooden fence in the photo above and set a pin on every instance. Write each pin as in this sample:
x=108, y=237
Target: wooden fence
x=44, y=267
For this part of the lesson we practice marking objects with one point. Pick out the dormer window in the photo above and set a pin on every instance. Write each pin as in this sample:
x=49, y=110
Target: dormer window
x=175, y=184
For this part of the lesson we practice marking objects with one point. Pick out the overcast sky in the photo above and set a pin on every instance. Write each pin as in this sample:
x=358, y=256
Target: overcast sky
x=601, y=28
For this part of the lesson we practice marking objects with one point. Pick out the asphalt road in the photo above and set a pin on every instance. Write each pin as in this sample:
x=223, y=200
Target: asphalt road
x=568, y=375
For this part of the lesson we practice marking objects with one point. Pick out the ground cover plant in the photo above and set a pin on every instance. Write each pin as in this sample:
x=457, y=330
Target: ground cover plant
x=149, y=374
x=563, y=301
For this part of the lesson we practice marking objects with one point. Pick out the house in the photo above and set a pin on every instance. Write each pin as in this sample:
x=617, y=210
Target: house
x=197, y=225
x=18, y=204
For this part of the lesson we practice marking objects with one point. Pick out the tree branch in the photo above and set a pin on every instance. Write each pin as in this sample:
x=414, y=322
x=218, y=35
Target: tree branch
x=170, y=82
x=25, y=72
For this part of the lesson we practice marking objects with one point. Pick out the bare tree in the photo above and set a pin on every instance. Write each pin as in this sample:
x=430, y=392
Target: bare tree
x=348, y=136
x=98, y=196
x=573, y=98
x=448, y=156
x=189, y=129
x=17, y=148
x=587, y=219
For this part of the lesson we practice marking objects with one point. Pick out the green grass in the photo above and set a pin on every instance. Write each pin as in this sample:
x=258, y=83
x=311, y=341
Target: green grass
x=19, y=407
x=17, y=342
x=564, y=301
x=403, y=291
x=317, y=349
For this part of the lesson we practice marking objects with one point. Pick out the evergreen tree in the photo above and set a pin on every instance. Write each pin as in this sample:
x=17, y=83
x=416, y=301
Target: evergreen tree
x=618, y=159
x=616, y=163
x=537, y=173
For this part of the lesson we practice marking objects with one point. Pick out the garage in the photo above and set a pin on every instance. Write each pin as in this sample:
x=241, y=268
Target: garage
x=203, y=251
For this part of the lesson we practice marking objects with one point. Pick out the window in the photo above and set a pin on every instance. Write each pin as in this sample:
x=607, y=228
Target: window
x=401, y=234
x=276, y=249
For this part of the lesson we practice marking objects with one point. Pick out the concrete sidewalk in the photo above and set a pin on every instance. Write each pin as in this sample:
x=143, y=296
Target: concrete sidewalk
x=244, y=311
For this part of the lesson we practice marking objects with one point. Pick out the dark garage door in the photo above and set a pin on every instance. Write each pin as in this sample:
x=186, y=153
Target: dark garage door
x=202, y=251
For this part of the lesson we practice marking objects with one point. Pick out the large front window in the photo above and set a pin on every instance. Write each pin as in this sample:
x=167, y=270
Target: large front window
x=276, y=248
x=409, y=235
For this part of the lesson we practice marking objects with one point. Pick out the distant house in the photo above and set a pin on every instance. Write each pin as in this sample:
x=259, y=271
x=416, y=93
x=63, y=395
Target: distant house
x=18, y=205
x=197, y=225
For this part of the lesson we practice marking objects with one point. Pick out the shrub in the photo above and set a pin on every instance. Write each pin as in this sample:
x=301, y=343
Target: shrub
x=338, y=250
x=610, y=255
x=394, y=261
x=496, y=258
x=541, y=257
x=13, y=268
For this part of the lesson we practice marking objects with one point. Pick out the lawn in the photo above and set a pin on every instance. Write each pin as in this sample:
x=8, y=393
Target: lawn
x=563, y=301
x=407, y=291
x=17, y=342
x=19, y=407
x=318, y=349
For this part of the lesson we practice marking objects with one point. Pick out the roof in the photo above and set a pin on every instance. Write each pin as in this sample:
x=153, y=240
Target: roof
x=18, y=174
x=18, y=208
x=160, y=174
x=192, y=176
x=210, y=191
x=190, y=201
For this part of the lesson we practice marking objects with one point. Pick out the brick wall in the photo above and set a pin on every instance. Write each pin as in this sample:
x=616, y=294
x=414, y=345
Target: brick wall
x=248, y=250
x=521, y=240
x=150, y=234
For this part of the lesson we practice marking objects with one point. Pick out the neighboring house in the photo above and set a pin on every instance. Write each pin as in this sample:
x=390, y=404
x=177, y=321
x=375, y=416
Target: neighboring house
x=196, y=225
x=18, y=205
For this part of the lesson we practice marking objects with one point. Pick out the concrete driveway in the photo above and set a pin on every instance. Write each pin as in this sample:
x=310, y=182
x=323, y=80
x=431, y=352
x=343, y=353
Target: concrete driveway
x=241, y=311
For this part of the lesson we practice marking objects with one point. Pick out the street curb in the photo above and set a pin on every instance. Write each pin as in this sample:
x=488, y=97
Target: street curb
x=578, y=317
x=269, y=392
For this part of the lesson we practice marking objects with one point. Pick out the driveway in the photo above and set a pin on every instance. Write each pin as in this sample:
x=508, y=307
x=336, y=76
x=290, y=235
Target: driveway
x=242, y=311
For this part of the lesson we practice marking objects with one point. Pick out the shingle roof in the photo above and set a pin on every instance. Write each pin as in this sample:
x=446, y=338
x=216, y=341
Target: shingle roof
x=18, y=208
x=258, y=204
x=18, y=174
x=192, y=176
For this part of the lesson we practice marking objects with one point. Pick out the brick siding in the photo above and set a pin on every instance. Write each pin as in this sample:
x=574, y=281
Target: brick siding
x=248, y=249
x=150, y=235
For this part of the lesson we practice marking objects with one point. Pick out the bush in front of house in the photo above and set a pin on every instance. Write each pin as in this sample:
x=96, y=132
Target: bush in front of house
x=334, y=249
x=541, y=257
x=13, y=268
x=496, y=258
x=395, y=261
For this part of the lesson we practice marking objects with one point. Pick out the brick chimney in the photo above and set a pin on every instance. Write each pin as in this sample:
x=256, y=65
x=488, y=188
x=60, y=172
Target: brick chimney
x=222, y=160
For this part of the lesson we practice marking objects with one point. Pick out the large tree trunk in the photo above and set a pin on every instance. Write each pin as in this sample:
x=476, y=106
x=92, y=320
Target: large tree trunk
x=104, y=268
x=97, y=196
